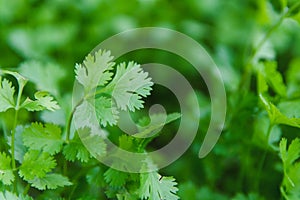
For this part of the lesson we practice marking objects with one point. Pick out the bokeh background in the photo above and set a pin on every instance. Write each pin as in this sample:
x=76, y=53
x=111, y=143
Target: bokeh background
x=63, y=32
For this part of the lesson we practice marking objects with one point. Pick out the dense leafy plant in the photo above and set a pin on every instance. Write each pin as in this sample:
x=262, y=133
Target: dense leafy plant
x=44, y=140
x=35, y=148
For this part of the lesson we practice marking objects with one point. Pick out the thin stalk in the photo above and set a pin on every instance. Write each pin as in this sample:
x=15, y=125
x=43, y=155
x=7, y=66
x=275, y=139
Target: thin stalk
x=69, y=123
x=263, y=159
x=70, y=120
x=86, y=97
x=245, y=83
x=17, y=107
x=26, y=189
x=246, y=77
x=284, y=194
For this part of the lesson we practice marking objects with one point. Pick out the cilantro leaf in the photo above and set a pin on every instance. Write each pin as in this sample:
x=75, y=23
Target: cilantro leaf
x=106, y=111
x=6, y=195
x=290, y=155
x=50, y=182
x=115, y=178
x=129, y=85
x=155, y=187
x=93, y=142
x=6, y=95
x=83, y=146
x=75, y=150
x=127, y=142
x=85, y=116
x=127, y=196
x=43, y=102
x=269, y=75
x=46, y=76
x=276, y=117
x=94, y=176
x=41, y=137
x=293, y=77
x=158, y=121
x=291, y=182
x=125, y=91
x=273, y=77
x=36, y=164
x=6, y=172
x=95, y=70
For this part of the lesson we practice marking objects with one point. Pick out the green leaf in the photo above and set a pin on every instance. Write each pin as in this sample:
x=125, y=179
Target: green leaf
x=36, y=164
x=21, y=79
x=290, y=108
x=106, y=111
x=43, y=102
x=127, y=196
x=273, y=77
x=155, y=187
x=75, y=150
x=6, y=95
x=6, y=195
x=6, y=173
x=283, y=149
x=291, y=182
x=84, y=115
x=41, y=137
x=127, y=88
x=127, y=142
x=46, y=76
x=261, y=136
x=95, y=70
x=276, y=117
x=158, y=121
x=115, y=178
x=50, y=182
x=293, y=77
x=81, y=148
x=266, y=51
x=93, y=142
x=94, y=176
x=129, y=85
x=290, y=155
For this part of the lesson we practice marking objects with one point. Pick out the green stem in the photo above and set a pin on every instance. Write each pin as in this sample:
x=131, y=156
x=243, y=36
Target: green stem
x=246, y=78
x=263, y=159
x=26, y=189
x=284, y=194
x=13, y=139
x=69, y=123
x=70, y=120
x=88, y=96
x=245, y=165
x=17, y=107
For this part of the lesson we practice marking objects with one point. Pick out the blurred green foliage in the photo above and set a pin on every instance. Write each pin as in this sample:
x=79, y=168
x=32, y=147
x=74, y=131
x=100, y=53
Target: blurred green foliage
x=245, y=164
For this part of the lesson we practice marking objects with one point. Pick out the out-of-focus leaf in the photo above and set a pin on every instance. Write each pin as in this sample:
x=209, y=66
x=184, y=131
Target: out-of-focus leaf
x=46, y=76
